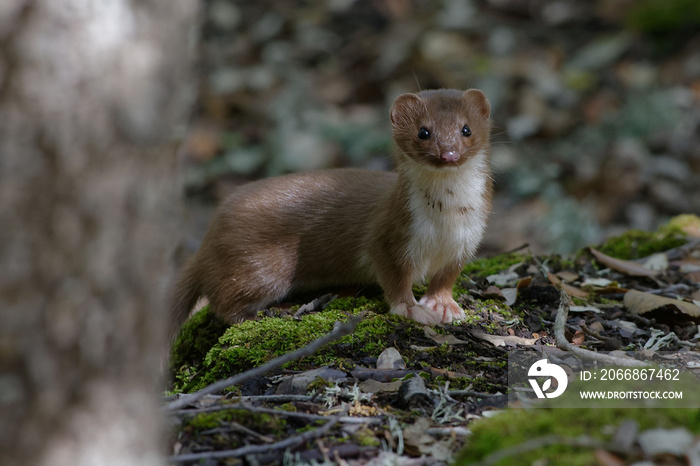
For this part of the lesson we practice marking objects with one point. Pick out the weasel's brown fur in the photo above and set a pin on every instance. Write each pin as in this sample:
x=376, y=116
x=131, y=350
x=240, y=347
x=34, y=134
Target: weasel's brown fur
x=352, y=226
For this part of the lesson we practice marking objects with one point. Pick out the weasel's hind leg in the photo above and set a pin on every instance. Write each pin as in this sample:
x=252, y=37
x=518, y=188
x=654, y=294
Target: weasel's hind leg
x=236, y=302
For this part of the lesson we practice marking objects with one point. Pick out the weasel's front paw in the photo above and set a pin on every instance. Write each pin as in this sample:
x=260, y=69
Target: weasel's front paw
x=399, y=310
x=444, y=309
x=420, y=314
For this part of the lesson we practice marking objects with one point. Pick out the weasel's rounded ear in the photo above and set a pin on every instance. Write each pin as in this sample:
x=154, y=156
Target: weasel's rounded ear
x=405, y=107
x=478, y=100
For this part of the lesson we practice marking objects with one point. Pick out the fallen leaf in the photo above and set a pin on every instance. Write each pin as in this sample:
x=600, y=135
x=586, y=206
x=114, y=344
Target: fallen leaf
x=511, y=295
x=442, y=339
x=573, y=291
x=578, y=338
x=638, y=302
x=567, y=276
x=569, y=289
x=503, y=279
x=523, y=283
x=585, y=309
x=627, y=267
x=605, y=458
x=503, y=340
x=298, y=383
x=596, y=282
x=374, y=386
x=626, y=328
x=493, y=292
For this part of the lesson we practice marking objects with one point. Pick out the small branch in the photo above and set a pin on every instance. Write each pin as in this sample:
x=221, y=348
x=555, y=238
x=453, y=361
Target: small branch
x=339, y=332
x=276, y=398
x=563, y=343
x=680, y=251
x=276, y=412
x=519, y=248
x=290, y=442
x=472, y=393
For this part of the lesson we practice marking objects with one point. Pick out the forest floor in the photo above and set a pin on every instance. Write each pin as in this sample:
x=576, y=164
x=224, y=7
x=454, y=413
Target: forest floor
x=396, y=392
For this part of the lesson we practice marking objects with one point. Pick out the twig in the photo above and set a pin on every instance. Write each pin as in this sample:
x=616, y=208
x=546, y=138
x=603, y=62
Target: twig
x=236, y=427
x=473, y=393
x=457, y=430
x=519, y=248
x=563, y=343
x=276, y=398
x=338, y=332
x=680, y=251
x=277, y=412
x=252, y=449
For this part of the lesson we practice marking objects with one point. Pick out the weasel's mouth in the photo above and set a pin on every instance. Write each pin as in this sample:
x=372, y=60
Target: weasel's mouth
x=437, y=162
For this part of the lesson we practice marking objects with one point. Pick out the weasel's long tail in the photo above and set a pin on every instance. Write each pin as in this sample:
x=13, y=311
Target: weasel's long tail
x=184, y=296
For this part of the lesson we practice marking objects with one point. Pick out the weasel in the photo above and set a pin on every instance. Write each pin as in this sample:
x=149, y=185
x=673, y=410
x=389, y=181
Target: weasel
x=352, y=226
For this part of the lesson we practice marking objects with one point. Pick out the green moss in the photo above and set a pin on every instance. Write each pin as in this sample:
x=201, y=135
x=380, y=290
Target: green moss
x=366, y=438
x=287, y=407
x=635, y=244
x=192, y=344
x=256, y=421
x=318, y=385
x=253, y=343
x=197, y=335
x=687, y=223
x=514, y=427
x=481, y=268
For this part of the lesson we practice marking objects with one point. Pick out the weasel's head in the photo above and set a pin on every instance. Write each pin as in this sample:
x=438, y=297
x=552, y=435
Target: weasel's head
x=441, y=128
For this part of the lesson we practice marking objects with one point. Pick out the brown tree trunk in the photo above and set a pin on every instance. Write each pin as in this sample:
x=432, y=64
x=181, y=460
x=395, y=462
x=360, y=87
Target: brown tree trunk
x=91, y=95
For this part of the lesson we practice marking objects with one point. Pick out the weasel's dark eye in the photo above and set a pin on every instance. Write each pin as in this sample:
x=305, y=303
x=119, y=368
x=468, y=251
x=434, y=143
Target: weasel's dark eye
x=423, y=133
x=466, y=132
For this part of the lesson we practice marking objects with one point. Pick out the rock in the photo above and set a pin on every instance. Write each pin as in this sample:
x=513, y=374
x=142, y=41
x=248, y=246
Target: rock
x=390, y=359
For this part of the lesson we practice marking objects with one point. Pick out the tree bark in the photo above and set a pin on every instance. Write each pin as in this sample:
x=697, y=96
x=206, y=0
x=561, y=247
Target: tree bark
x=91, y=95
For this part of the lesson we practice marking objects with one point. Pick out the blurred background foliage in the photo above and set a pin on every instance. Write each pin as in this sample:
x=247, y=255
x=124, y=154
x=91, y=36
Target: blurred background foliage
x=595, y=102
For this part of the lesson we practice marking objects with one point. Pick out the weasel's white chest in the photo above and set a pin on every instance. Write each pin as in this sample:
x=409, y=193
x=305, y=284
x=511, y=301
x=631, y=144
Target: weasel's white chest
x=447, y=221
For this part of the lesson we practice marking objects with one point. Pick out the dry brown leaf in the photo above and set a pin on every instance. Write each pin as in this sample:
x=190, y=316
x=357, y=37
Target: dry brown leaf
x=638, y=302
x=374, y=386
x=605, y=458
x=503, y=340
x=442, y=339
x=523, y=283
x=628, y=267
x=569, y=289
x=553, y=279
x=493, y=292
x=567, y=276
x=578, y=338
